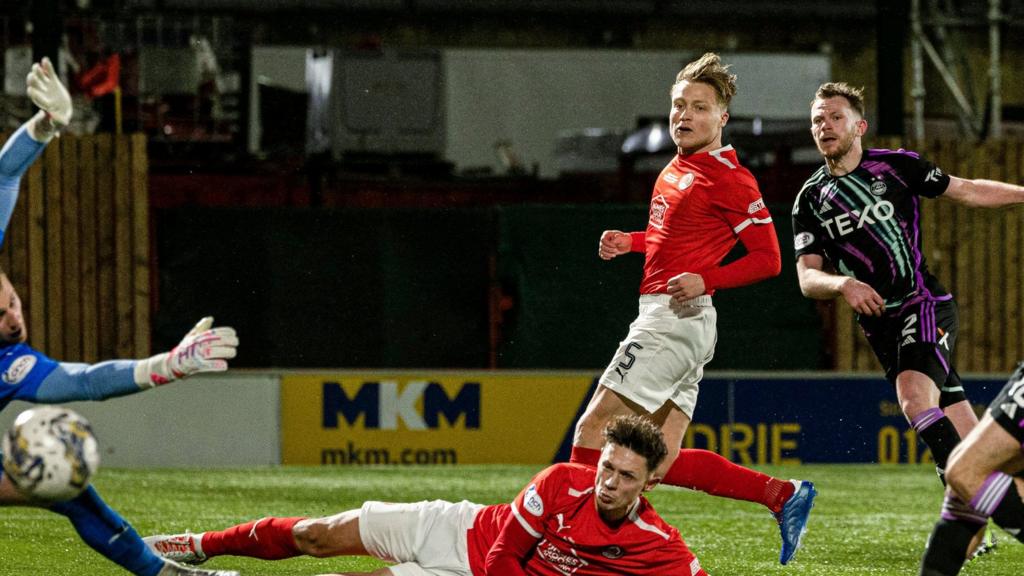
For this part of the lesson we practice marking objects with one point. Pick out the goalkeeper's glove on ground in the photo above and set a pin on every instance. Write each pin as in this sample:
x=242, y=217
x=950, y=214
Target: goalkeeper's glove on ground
x=203, y=349
x=47, y=92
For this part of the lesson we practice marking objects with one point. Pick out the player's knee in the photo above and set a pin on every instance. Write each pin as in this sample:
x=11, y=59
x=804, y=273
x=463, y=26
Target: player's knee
x=586, y=431
x=312, y=537
x=957, y=481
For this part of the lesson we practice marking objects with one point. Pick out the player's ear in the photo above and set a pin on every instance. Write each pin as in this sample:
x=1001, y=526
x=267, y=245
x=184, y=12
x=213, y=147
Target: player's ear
x=862, y=127
x=725, y=117
x=653, y=481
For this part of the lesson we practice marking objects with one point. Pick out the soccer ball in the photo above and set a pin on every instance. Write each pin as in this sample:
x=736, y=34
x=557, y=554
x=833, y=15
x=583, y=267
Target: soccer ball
x=50, y=453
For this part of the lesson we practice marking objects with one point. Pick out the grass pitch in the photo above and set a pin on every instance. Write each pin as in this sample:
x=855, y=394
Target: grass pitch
x=868, y=520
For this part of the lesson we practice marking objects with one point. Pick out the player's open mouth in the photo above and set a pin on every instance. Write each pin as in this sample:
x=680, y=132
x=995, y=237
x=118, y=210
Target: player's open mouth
x=14, y=335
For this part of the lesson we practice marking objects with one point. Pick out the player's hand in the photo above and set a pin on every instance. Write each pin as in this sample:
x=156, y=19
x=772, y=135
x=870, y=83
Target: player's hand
x=862, y=298
x=203, y=349
x=685, y=286
x=47, y=92
x=614, y=243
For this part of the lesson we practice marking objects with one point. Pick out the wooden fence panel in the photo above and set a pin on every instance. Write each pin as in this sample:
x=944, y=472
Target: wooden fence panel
x=1014, y=262
x=123, y=248
x=140, y=246
x=35, y=264
x=54, y=293
x=77, y=248
x=88, y=244
x=72, y=328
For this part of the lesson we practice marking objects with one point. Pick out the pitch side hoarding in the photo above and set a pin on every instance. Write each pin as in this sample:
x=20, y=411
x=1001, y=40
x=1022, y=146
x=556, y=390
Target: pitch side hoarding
x=399, y=418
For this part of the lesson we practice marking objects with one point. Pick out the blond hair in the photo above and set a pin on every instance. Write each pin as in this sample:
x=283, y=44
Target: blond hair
x=708, y=69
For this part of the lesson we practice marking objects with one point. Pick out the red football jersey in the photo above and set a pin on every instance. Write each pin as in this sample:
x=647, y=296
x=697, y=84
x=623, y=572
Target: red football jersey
x=700, y=205
x=558, y=509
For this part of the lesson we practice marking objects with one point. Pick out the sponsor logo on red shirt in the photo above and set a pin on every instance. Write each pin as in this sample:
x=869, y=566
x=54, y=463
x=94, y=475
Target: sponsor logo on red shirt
x=565, y=562
x=659, y=206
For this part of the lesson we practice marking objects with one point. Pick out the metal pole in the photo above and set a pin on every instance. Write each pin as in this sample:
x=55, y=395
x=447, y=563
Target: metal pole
x=995, y=18
x=917, y=91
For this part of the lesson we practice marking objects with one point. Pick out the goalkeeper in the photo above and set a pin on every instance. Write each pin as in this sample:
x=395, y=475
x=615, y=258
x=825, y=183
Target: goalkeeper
x=28, y=375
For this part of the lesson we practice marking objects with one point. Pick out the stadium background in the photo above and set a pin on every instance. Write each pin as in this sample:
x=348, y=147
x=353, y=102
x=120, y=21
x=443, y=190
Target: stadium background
x=416, y=269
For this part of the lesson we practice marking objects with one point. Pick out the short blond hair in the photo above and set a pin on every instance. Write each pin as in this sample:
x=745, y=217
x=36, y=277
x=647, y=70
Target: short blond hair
x=853, y=94
x=708, y=69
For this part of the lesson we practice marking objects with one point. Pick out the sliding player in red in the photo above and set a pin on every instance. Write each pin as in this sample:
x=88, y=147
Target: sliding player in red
x=570, y=519
x=704, y=201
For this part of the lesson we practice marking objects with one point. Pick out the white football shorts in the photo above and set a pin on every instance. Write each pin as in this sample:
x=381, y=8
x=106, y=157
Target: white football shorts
x=663, y=356
x=423, y=538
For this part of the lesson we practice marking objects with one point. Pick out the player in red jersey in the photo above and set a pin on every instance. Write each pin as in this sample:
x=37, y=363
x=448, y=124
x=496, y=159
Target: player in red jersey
x=704, y=201
x=570, y=519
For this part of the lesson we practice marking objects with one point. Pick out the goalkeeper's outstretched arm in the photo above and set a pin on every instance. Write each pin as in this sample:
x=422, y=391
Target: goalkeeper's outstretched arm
x=204, y=349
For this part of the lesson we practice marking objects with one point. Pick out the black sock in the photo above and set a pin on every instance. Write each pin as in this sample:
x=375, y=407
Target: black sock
x=1010, y=514
x=947, y=547
x=935, y=429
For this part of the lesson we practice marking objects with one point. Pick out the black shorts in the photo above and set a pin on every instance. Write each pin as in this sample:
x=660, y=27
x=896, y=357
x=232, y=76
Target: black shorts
x=920, y=336
x=1008, y=407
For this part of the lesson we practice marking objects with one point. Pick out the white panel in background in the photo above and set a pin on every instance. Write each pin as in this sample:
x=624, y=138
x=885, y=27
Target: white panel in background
x=228, y=420
x=528, y=96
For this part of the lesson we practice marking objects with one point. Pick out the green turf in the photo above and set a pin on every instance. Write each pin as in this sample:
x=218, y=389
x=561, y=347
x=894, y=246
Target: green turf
x=868, y=519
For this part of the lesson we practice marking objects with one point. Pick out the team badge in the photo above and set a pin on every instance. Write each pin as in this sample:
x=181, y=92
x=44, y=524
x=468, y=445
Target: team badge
x=878, y=187
x=532, y=501
x=18, y=369
x=803, y=240
x=659, y=206
x=612, y=552
x=686, y=180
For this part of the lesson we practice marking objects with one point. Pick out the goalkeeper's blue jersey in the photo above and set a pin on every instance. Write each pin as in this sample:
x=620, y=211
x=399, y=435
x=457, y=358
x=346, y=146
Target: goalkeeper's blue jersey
x=22, y=370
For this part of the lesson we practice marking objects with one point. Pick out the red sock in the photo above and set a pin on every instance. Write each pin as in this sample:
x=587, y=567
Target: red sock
x=708, y=472
x=266, y=538
x=581, y=455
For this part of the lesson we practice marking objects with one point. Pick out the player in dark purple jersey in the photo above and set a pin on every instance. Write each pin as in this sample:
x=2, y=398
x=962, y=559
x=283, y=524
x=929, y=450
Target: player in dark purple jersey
x=857, y=234
x=981, y=483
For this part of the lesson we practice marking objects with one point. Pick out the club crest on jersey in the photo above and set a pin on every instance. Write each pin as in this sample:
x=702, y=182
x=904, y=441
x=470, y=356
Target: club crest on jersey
x=612, y=552
x=532, y=501
x=803, y=240
x=18, y=369
x=755, y=206
x=686, y=180
x=878, y=187
x=659, y=206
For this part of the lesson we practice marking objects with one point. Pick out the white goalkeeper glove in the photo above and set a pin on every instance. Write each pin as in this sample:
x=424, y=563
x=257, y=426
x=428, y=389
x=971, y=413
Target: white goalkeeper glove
x=47, y=92
x=203, y=349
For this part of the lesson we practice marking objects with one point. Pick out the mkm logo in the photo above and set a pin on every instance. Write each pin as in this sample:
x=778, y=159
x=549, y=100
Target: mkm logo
x=382, y=404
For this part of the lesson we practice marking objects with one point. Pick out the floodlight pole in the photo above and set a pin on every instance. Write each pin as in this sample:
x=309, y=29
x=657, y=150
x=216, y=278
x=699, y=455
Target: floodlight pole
x=995, y=19
x=917, y=90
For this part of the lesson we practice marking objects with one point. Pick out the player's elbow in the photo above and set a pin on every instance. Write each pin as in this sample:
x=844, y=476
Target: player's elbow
x=771, y=263
x=807, y=288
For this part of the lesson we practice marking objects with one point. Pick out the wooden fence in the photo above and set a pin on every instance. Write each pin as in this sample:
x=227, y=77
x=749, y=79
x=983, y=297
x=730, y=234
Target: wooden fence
x=975, y=253
x=78, y=249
